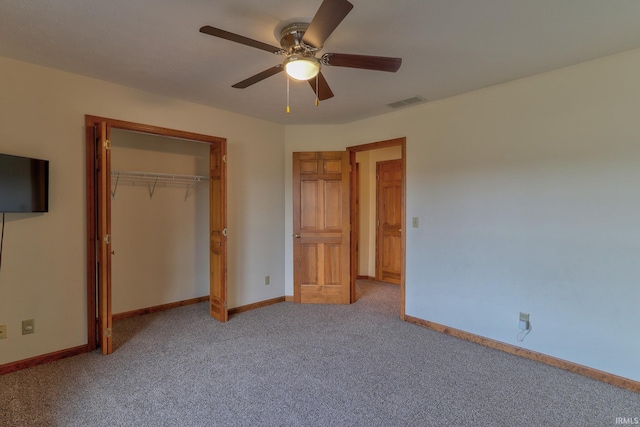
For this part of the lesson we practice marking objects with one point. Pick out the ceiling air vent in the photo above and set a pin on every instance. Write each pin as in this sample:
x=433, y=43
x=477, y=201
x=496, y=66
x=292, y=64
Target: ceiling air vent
x=406, y=102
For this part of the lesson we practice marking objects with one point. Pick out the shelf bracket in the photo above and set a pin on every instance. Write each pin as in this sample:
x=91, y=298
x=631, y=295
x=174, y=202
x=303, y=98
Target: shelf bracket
x=152, y=190
x=113, y=192
x=189, y=190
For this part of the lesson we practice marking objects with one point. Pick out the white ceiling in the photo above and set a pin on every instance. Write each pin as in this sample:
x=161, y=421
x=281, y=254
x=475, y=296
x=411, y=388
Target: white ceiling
x=448, y=47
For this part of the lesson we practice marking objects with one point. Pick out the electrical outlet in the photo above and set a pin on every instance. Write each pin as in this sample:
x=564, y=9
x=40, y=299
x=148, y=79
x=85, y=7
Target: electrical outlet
x=524, y=316
x=415, y=221
x=28, y=326
x=3, y=331
x=267, y=280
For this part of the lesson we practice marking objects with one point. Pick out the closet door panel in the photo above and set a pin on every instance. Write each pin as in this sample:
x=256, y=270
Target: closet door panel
x=218, y=233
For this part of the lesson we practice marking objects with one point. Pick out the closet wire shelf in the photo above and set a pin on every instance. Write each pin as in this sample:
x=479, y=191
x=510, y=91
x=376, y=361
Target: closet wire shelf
x=152, y=180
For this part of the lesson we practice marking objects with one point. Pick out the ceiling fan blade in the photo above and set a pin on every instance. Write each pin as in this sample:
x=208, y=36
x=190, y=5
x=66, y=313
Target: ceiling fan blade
x=258, y=77
x=217, y=32
x=327, y=18
x=378, y=63
x=324, y=91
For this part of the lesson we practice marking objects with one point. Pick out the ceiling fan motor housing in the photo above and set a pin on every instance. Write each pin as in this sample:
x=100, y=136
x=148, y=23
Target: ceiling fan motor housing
x=291, y=40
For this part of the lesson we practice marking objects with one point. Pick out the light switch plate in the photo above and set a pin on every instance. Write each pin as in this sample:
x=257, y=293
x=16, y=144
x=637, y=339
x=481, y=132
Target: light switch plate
x=524, y=321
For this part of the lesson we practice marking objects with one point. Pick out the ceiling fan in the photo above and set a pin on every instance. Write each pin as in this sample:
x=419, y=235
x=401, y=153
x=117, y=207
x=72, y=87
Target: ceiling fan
x=300, y=42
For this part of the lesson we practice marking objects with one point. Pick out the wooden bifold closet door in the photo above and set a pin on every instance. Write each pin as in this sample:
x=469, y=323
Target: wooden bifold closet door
x=103, y=173
x=217, y=234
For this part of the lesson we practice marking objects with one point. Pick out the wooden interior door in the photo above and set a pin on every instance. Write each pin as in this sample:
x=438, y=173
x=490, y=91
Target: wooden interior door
x=103, y=235
x=389, y=220
x=218, y=233
x=321, y=240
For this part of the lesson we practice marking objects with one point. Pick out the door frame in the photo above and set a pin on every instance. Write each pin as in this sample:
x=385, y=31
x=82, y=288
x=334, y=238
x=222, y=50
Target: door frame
x=92, y=197
x=402, y=142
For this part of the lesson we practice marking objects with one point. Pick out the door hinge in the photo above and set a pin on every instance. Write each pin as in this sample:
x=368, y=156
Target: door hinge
x=107, y=239
x=224, y=232
x=224, y=305
x=107, y=332
x=107, y=144
x=224, y=159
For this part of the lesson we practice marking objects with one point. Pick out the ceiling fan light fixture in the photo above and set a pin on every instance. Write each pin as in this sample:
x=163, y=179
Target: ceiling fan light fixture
x=302, y=68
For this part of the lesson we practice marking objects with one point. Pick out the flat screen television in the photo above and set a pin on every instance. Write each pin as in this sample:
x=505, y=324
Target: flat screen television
x=24, y=184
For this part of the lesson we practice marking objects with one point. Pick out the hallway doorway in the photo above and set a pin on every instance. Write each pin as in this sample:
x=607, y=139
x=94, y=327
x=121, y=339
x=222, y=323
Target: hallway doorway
x=370, y=257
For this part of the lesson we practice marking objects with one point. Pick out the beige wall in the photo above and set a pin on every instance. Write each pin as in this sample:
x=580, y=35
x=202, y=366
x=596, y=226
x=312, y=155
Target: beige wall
x=43, y=272
x=368, y=200
x=527, y=198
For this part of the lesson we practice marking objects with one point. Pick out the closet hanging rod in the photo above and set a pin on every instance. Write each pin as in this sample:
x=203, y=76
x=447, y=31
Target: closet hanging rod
x=155, y=178
x=167, y=177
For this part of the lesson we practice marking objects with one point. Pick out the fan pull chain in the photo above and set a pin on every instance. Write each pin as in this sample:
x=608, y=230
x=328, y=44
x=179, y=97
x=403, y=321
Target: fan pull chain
x=317, y=94
x=288, y=108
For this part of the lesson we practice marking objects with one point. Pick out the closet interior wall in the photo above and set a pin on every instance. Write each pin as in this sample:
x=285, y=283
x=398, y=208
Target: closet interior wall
x=159, y=229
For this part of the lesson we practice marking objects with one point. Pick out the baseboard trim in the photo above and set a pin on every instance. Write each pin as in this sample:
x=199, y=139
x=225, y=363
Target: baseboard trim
x=595, y=374
x=162, y=307
x=255, y=305
x=288, y=298
x=44, y=358
x=372, y=279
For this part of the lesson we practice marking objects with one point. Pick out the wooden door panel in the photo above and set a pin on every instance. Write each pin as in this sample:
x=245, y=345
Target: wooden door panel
x=332, y=264
x=390, y=175
x=308, y=163
x=321, y=228
x=309, y=264
x=325, y=281
x=309, y=205
x=333, y=205
x=391, y=195
x=103, y=148
x=391, y=262
x=217, y=233
x=331, y=166
x=389, y=213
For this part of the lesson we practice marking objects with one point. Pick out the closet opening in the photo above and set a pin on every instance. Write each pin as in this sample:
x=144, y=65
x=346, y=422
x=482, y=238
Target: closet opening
x=206, y=173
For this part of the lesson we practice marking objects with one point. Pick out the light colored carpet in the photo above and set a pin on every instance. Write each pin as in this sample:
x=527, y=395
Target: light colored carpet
x=303, y=365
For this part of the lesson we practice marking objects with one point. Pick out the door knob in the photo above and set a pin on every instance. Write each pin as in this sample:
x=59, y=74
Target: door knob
x=297, y=236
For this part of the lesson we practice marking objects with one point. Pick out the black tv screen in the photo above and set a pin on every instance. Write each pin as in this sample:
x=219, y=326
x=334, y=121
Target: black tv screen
x=24, y=184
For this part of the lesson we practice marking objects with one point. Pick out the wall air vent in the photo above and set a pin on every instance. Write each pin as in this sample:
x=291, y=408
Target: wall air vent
x=406, y=102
